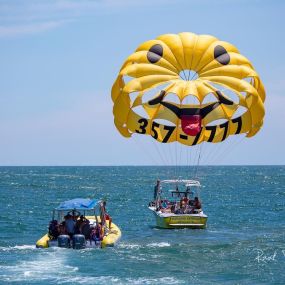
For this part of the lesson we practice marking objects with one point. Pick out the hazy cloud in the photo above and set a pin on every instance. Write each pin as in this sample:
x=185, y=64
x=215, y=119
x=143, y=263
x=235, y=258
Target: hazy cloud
x=19, y=18
x=11, y=31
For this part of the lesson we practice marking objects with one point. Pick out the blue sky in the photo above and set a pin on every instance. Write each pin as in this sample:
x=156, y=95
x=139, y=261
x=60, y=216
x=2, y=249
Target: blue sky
x=59, y=60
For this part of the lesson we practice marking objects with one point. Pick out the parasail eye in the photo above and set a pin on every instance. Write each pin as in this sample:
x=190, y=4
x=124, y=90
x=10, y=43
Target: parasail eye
x=155, y=53
x=221, y=55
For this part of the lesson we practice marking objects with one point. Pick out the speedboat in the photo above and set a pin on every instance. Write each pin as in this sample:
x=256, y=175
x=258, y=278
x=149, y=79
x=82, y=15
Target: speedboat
x=91, y=226
x=179, y=206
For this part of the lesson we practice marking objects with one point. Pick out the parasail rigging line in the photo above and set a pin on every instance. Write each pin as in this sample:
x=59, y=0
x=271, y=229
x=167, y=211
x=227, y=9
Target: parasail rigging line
x=228, y=149
x=198, y=161
x=158, y=151
x=145, y=150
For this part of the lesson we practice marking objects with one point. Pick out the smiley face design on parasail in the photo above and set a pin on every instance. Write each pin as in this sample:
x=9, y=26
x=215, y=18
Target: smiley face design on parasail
x=227, y=91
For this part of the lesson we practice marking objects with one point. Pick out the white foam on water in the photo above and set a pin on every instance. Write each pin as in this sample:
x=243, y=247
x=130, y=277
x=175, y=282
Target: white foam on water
x=118, y=281
x=18, y=247
x=136, y=257
x=49, y=266
x=88, y=187
x=156, y=256
x=138, y=246
x=90, y=280
x=129, y=246
x=58, y=175
x=162, y=280
x=159, y=244
x=25, y=246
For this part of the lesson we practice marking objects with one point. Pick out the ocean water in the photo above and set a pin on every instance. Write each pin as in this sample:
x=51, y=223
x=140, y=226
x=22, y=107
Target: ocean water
x=244, y=242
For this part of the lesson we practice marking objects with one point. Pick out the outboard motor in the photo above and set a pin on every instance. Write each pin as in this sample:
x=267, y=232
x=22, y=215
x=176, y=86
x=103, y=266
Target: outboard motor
x=63, y=241
x=78, y=241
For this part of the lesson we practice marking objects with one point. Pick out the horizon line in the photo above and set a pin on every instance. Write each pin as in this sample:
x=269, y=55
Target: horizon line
x=142, y=165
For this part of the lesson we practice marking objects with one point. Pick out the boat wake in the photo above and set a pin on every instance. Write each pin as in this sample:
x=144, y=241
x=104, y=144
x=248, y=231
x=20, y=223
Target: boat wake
x=35, y=270
x=18, y=247
x=139, y=246
x=159, y=244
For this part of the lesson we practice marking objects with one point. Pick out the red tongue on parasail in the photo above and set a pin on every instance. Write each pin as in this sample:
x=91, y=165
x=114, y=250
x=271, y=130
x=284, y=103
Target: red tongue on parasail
x=191, y=124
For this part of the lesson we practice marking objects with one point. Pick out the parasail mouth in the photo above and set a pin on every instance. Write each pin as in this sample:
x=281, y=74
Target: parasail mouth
x=191, y=117
x=191, y=124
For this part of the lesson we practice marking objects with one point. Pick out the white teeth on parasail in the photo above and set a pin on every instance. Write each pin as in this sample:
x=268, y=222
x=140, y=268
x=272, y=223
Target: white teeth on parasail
x=190, y=100
x=171, y=98
x=210, y=98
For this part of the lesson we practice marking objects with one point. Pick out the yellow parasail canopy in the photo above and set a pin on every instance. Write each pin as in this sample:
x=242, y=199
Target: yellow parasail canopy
x=188, y=66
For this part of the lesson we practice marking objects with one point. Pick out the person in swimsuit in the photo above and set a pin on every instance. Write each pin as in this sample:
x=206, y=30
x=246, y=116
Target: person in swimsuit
x=107, y=216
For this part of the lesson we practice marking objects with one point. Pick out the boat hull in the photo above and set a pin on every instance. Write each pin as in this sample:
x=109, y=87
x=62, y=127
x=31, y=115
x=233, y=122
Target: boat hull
x=173, y=221
x=109, y=240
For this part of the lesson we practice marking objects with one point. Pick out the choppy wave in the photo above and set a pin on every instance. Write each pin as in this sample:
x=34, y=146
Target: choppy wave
x=29, y=276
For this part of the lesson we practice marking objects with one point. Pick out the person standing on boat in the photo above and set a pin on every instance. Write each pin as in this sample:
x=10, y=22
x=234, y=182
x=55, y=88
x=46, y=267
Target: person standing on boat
x=69, y=225
x=156, y=196
x=177, y=191
x=156, y=189
x=107, y=216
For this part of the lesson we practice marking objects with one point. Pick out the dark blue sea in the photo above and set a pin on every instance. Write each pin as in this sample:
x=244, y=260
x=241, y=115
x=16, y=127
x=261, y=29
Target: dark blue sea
x=244, y=242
